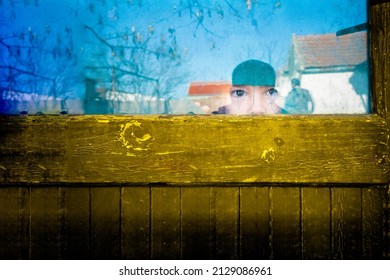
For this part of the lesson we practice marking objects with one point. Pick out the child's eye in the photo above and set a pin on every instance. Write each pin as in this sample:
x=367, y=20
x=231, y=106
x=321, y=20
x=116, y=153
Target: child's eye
x=238, y=93
x=272, y=92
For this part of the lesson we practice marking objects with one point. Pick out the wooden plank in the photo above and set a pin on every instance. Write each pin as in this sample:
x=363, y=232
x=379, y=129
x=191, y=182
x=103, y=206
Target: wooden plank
x=254, y=223
x=166, y=227
x=374, y=222
x=154, y=149
x=225, y=235
x=380, y=53
x=195, y=223
x=387, y=226
x=316, y=217
x=346, y=223
x=24, y=223
x=136, y=230
x=61, y=222
x=9, y=213
x=286, y=222
x=77, y=229
x=105, y=223
x=44, y=227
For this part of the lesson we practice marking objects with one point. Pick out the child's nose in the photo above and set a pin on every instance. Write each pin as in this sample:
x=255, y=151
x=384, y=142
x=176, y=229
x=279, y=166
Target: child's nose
x=259, y=108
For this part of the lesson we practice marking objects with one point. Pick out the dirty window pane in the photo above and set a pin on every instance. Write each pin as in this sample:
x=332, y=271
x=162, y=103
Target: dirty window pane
x=178, y=57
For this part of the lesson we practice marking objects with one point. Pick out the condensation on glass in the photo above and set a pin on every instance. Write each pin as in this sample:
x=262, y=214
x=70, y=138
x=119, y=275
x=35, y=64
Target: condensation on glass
x=179, y=57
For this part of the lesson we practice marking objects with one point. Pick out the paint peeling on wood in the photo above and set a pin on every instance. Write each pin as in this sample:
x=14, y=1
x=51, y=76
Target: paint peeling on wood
x=149, y=149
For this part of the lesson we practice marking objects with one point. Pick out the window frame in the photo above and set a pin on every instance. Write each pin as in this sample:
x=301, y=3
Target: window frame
x=316, y=149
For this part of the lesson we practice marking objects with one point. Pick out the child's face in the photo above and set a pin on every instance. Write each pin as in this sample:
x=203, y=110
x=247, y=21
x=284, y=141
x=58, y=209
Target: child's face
x=252, y=100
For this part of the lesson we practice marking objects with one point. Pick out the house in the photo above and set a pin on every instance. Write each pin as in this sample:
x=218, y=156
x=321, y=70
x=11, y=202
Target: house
x=209, y=96
x=333, y=68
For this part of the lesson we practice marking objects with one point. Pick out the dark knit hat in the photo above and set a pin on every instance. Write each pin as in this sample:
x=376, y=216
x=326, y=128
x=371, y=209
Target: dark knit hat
x=253, y=73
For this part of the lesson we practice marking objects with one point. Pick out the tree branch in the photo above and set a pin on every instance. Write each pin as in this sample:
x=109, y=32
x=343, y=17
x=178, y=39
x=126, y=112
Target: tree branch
x=124, y=72
x=27, y=72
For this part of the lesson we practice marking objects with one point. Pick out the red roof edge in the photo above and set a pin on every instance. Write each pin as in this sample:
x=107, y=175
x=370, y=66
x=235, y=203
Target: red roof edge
x=212, y=87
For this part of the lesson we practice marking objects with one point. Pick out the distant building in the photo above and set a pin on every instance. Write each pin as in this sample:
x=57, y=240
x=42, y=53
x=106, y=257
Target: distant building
x=13, y=103
x=333, y=68
x=209, y=96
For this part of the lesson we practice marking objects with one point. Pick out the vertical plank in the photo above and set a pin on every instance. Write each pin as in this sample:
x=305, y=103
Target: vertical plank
x=374, y=222
x=44, y=230
x=105, y=223
x=24, y=223
x=286, y=223
x=225, y=208
x=77, y=223
x=346, y=223
x=254, y=226
x=61, y=222
x=195, y=223
x=386, y=232
x=166, y=227
x=9, y=223
x=316, y=219
x=135, y=222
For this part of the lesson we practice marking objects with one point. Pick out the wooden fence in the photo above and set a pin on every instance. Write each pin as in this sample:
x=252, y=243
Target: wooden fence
x=194, y=222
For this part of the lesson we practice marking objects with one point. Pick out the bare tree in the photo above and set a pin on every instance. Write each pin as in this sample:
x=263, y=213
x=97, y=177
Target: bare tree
x=33, y=61
x=146, y=59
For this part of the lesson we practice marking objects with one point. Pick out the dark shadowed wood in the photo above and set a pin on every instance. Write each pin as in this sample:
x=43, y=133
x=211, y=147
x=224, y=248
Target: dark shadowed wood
x=61, y=212
x=9, y=223
x=374, y=222
x=225, y=222
x=254, y=223
x=77, y=222
x=380, y=62
x=386, y=232
x=346, y=223
x=286, y=223
x=44, y=226
x=105, y=223
x=61, y=222
x=195, y=223
x=135, y=218
x=165, y=220
x=24, y=223
x=316, y=223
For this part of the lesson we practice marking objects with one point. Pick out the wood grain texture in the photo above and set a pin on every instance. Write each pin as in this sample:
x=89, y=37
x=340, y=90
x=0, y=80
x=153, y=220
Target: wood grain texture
x=195, y=223
x=77, y=228
x=105, y=223
x=286, y=223
x=374, y=222
x=316, y=219
x=165, y=221
x=380, y=58
x=225, y=222
x=8, y=223
x=135, y=222
x=254, y=223
x=153, y=149
x=24, y=223
x=346, y=223
x=44, y=223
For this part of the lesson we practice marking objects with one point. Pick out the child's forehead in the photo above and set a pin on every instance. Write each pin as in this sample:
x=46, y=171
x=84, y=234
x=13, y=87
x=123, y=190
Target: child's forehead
x=245, y=87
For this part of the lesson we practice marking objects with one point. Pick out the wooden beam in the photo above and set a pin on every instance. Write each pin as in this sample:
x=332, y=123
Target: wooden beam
x=193, y=149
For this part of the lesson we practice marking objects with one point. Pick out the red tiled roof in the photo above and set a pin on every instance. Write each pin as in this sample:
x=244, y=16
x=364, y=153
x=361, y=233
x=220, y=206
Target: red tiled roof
x=328, y=50
x=220, y=87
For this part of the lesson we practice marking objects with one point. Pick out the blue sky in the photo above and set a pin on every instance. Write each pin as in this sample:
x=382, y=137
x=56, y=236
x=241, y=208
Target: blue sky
x=264, y=32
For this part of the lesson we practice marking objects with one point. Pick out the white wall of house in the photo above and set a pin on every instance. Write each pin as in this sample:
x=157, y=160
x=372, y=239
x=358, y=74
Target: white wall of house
x=332, y=93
